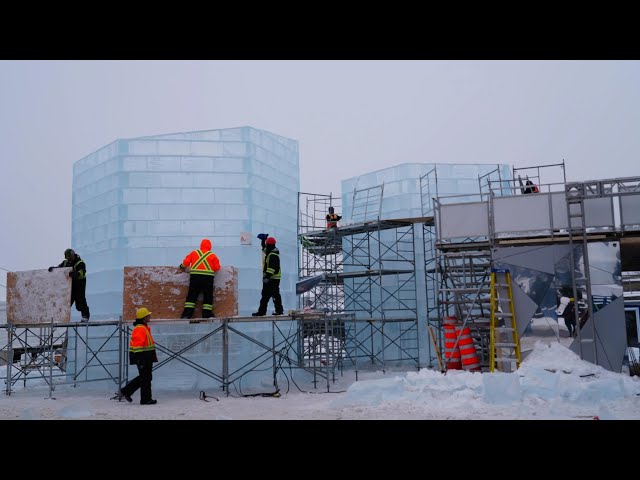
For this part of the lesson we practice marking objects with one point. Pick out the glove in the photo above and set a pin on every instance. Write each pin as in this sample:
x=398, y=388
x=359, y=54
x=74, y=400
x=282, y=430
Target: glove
x=182, y=267
x=265, y=280
x=72, y=274
x=51, y=269
x=263, y=236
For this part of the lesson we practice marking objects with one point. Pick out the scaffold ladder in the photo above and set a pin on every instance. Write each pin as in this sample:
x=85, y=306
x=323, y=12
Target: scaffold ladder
x=504, y=343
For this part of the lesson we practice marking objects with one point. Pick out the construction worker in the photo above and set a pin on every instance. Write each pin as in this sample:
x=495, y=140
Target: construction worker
x=528, y=187
x=566, y=309
x=204, y=265
x=332, y=219
x=142, y=353
x=78, y=281
x=271, y=275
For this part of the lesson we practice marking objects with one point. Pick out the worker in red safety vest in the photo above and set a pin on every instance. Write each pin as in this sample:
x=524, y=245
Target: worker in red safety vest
x=203, y=265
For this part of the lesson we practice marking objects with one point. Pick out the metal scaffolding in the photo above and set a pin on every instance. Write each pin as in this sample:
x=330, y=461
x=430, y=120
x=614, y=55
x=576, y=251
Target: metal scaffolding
x=368, y=268
x=432, y=269
x=74, y=353
x=560, y=212
x=320, y=253
x=61, y=353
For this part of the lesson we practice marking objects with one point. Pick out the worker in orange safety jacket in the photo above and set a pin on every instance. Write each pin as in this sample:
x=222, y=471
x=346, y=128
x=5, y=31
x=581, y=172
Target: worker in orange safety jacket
x=203, y=265
x=142, y=353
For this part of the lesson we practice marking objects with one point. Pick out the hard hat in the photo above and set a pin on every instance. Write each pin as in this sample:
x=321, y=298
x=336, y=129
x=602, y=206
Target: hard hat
x=270, y=241
x=141, y=313
x=68, y=253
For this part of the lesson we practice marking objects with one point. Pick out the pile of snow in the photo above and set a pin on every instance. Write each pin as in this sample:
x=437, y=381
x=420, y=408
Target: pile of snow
x=553, y=382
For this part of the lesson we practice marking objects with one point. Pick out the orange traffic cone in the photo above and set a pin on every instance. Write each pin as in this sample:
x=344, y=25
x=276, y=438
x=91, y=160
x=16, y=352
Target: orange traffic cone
x=452, y=356
x=468, y=353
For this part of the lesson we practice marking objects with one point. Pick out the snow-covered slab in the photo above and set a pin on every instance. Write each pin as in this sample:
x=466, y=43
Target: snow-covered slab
x=38, y=296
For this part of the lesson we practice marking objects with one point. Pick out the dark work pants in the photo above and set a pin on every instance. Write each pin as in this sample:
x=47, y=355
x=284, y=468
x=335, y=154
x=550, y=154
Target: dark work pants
x=271, y=290
x=142, y=381
x=78, y=288
x=199, y=283
x=569, y=318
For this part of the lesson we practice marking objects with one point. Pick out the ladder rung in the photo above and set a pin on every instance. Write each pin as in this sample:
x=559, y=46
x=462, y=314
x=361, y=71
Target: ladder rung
x=503, y=315
x=499, y=345
x=586, y=340
x=504, y=329
x=506, y=359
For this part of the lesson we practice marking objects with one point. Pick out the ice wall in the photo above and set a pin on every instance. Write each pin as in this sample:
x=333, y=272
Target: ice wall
x=402, y=199
x=151, y=200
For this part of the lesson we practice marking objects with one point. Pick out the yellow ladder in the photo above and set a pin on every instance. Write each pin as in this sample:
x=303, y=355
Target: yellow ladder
x=504, y=345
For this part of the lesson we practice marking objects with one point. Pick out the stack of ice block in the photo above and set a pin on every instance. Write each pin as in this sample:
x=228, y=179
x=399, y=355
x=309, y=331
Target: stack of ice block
x=151, y=200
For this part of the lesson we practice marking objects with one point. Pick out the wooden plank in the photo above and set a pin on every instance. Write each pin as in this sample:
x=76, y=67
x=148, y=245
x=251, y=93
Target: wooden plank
x=435, y=346
x=38, y=296
x=163, y=291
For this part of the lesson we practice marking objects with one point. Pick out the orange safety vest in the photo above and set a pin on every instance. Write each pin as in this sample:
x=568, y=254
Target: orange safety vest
x=332, y=220
x=202, y=263
x=141, y=339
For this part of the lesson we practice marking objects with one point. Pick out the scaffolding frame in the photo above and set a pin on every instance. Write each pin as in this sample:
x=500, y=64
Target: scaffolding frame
x=576, y=229
x=363, y=263
x=432, y=269
x=61, y=353
x=105, y=345
x=320, y=254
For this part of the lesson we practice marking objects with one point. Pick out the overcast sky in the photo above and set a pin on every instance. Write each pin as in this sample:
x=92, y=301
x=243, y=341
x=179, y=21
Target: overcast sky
x=349, y=117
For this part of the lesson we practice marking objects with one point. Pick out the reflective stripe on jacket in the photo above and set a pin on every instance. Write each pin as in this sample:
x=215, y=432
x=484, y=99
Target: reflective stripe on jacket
x=141, y=339
x=332, y=220
x=78, y=266
x=202, y=263
x=272, y=265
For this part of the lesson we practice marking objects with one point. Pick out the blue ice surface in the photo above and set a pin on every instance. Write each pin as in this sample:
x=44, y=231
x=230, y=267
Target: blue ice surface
x=151, y=200
x=372, y=392
x=501, y=388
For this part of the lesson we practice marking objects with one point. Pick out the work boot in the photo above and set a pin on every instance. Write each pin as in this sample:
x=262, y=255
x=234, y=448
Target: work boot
x=277, y=313
x=257, y=314
x=84, y=320
x=149, y=402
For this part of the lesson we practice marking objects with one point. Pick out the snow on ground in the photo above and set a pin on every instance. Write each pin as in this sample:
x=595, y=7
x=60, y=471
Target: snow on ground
x=552, y=383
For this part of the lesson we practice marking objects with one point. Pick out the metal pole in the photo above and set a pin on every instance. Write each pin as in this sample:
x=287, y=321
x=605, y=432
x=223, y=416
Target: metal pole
x=50, y=347
x=120, y=353
x=75, y=353
x=225, y=355
x=273, y=352
x=587, y=274
x=10, y=335
x=382, y=342
x=326, y=349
